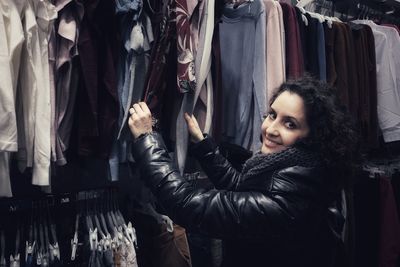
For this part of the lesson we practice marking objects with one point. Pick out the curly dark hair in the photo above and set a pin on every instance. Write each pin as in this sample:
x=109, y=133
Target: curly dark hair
x=332, y=131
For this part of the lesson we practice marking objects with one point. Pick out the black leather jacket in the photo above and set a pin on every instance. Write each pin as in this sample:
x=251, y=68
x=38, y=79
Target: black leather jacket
x=278, y=218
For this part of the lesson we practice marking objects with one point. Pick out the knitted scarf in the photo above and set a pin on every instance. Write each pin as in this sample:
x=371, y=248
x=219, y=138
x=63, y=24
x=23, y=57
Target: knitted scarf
x=292, y=156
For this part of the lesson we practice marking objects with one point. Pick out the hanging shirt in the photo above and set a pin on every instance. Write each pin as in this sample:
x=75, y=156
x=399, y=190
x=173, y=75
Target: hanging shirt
x=31, y=69
x=137, y=37
x=11, y=39
x=275, y=51
x=45, y=13
x=242, y=40
x=200, y=100
x=294, y=55
x=321, y=52
x=366, y=116
x=387, y=51
x=97, y=98
x=70, y=14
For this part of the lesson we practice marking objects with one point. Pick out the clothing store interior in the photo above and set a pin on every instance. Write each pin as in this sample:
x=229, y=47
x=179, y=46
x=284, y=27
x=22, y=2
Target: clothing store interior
x=70, y=190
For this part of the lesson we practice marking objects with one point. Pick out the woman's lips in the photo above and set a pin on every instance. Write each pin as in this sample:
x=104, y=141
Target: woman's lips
x=270, y=143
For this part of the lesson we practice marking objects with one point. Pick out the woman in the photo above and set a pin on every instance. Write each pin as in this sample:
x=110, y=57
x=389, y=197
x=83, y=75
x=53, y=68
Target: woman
x=278, y=211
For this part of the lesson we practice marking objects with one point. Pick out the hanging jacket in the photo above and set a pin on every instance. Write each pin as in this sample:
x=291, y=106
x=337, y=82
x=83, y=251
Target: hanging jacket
x=276, y=212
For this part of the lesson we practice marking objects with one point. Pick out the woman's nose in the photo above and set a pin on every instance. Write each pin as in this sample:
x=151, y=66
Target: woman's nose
x=272, y=129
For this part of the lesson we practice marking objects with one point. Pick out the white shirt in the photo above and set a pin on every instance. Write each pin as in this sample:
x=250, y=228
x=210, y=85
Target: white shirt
x=45, y=15
x=11, y=39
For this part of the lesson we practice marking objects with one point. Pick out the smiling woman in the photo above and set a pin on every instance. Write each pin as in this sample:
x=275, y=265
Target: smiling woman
x=285, y=123
x=280, y=209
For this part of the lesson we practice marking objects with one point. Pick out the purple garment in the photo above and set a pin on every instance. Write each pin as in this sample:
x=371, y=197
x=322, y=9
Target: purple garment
x=98, y=105
x=70, y=14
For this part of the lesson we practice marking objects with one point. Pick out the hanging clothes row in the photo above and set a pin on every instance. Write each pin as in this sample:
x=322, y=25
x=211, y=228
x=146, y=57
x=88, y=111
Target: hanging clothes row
x=87, y=229
x=101, y=237
x=222, y=65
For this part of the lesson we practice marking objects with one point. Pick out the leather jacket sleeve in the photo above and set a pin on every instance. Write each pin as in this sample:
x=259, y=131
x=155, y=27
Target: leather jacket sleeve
x=220, y=213
x=218, y=169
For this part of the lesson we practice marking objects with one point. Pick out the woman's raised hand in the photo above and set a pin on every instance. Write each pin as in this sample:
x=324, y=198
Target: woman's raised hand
x=194, y=129
x=140, y=121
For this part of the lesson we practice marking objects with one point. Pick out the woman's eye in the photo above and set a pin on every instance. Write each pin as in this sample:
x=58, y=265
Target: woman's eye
x=290, y=125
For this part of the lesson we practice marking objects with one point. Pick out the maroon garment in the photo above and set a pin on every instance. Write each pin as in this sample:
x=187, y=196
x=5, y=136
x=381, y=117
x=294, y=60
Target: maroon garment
x=294, y=55
x=97, y=98
x=160, y=66
x=389, y=241
x=352, y=81
x=364, y=49
x=340, y=63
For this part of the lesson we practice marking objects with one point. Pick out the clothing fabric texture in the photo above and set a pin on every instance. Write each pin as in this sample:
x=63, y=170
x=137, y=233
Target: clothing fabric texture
x=137, y=38
x=321, y=52
x=294, y=55
x=275, y=47
x=128, y=255
x=388, y=79
x=366, y=114
x=27, y=85
x=156, y=80
x=70, y=14
x=34, y=107
x=341, y=72
x=11, y=39
x=278, y=216
x=195, y=27
x=46, y=14
x=242, y=42
x=98, y=94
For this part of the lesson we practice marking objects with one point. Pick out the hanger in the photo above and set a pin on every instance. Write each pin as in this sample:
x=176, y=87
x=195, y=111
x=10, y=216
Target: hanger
x=102, y=218
x=16, y=257
x=303, y=3
x=88, y=219
x=96, y=219
x=107, y=239
x=43, y=236
x=303, y=15
x=74, y=240
x=54, y=249
x=30, y=243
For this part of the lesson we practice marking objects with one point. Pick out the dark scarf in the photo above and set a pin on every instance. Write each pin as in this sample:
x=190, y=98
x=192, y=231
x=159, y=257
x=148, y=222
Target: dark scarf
x=293, y=156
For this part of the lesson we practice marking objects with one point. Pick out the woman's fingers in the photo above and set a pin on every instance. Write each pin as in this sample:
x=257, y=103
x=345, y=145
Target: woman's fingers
x=145, y=108
x=193, y=127
x=140, y=120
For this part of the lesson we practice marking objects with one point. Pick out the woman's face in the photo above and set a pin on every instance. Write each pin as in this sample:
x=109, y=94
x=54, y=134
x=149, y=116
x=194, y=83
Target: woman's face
x=285, y=123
